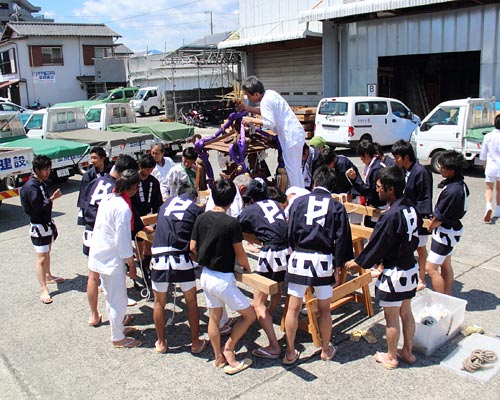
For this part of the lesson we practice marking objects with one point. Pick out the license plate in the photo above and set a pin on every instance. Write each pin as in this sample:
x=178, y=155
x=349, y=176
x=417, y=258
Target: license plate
x=175, y=147
x=62, y=172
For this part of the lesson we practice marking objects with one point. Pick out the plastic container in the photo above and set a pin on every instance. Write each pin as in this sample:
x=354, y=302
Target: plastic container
x=436, y=328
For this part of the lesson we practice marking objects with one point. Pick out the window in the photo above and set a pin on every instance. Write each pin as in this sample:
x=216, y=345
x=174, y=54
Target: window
x=10, y=107
x=8, y=62
x=116, y=112
x=117, y=95
x=52, y=55
x=93, y=115
x=129, y=93
x=35, y=122
x=45, y=55
x=91, y=52
x=371, y=108
x=102, y=52
x=123, y=112
x=399, y=110
x=444, y=116
x=332, y=108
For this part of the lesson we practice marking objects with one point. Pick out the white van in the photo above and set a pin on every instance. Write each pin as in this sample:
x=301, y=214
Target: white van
x=148, y=100
x=345, y=121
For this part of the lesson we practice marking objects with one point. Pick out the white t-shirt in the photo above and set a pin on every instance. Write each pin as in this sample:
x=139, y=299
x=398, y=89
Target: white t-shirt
x=111, y=240
x=161, y=172
x=279, y=117
x=490, y=152
x=233, y=211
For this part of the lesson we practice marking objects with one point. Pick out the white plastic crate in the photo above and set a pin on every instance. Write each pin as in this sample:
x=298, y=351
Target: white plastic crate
x=428, y=338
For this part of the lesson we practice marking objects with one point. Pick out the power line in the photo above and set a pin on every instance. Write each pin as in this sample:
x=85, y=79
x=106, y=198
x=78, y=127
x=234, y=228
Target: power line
x=153, y=12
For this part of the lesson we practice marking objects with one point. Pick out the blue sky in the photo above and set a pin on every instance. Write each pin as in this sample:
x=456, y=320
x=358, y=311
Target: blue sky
x=153, y=24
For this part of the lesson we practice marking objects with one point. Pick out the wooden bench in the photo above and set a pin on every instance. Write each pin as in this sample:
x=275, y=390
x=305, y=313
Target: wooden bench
x=251, y=279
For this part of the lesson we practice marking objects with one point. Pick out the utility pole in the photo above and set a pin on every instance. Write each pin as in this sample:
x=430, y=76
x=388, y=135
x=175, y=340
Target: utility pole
x=211, y=22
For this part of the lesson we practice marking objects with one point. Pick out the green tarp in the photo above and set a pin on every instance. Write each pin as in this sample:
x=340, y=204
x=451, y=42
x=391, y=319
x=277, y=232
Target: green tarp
x=100, y=138
x=477, y=134
x=53, y=149
x=86, y=104
x=168, y=131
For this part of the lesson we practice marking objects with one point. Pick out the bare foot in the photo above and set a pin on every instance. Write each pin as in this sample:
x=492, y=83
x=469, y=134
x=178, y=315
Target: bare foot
x=220, y=362
x=408, y=358
x=230, y=358
x=386, y=360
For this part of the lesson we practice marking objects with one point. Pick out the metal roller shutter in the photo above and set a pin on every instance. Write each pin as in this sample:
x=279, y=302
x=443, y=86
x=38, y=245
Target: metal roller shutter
x=295, y=74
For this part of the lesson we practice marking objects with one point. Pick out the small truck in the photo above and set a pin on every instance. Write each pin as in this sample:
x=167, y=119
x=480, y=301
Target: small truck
x=14, y=163
x=148, y=100
x=66, y=156
x=68, y=123
x=454, y=125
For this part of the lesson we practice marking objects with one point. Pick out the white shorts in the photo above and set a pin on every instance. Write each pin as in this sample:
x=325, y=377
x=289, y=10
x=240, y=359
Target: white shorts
x=42, y=249
x=436, y=258
x=383, y=303
x=491, y=179
x=162, y=287
x=220, y=289
x=322, y=292
x=422, y=240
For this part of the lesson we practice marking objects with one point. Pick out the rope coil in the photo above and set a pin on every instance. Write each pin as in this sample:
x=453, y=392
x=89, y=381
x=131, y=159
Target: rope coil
x=477, y=359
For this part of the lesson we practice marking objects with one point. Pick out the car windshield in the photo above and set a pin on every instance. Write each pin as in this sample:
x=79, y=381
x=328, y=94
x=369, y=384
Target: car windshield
x=444, y=116
x=102, y=96
x=140, y=94
x=93, y=115
x=333, y=108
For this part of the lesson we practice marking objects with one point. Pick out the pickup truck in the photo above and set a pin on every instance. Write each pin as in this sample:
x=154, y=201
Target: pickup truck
x=116, y=117
x=66, y=156
x=148, y=100
x=454, y=125
x=68, y=123
x=14, y=163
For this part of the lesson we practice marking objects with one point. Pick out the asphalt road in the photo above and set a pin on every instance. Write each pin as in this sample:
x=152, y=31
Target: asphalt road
x=49, y=352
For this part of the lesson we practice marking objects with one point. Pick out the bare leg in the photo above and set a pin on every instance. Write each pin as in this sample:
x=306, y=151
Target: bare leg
x=488, y=193
x=266, y=321
x=193, y=317
x=447, y=274
x=291, y=324
x=41, y=268
x=93, y=296
x=215, y=314
x=436, y=278
x=392, y=332
x=275, y=299
x=422, y=258
x=159, y=319
x=239, y=329
x=325, y=326
x=497, y=199
x=406, y=353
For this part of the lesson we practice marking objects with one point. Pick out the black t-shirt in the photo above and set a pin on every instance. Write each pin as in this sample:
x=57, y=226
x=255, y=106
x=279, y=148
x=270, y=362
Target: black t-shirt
x=215, y=233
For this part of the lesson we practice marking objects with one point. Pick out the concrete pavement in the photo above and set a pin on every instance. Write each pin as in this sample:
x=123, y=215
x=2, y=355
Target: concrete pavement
x=49, y=352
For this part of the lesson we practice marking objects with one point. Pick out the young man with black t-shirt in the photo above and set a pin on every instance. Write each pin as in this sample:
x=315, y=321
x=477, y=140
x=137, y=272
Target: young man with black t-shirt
x=217, y=240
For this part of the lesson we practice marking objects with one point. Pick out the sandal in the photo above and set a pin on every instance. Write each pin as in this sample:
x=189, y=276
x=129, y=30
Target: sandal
x=127, y=343
x=295, y=358
x=46, y=299
x=332, y=351
x=128, y=319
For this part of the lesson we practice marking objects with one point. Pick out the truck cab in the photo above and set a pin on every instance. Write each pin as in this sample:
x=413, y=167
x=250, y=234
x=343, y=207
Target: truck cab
x=99, y=117
x=148, y=100
x=458, y=125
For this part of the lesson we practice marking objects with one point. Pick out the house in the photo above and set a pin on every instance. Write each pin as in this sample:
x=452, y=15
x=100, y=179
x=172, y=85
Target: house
x=55, y=62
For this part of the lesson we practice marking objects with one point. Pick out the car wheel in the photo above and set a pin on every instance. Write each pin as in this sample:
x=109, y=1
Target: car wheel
x=153, y=111
x=366, y=137
x=434, y=161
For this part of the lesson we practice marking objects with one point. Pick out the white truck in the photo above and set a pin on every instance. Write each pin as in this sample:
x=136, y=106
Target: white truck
x=65, y=155
x=148, y=100
x=454, y=125
x=100, y=116
x=68, y=123
x=15, y=163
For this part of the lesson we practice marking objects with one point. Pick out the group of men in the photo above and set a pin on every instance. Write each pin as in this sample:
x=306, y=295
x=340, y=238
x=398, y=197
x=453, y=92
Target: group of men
x=305, y=243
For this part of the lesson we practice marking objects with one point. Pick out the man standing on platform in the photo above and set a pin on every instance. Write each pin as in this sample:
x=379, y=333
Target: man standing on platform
x=279, y=117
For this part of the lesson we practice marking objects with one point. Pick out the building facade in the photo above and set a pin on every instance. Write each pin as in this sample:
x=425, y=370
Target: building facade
x=53, y=62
